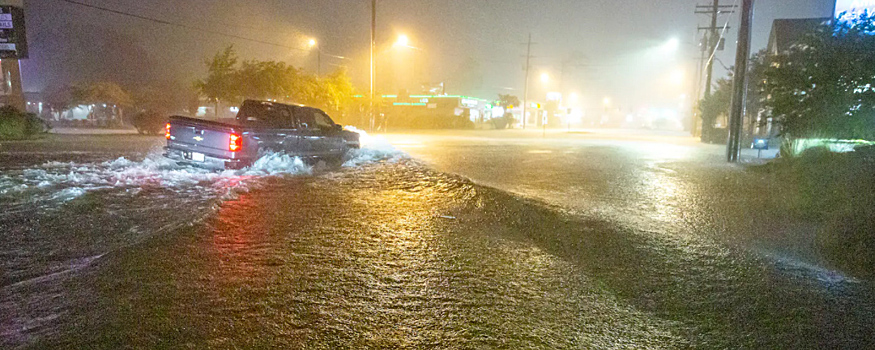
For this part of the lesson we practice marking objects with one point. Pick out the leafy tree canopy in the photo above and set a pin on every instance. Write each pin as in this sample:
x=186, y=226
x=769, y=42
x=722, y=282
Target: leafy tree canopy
x=230, y=80
x=102, y=92
x=823, y=86
x=509, y=100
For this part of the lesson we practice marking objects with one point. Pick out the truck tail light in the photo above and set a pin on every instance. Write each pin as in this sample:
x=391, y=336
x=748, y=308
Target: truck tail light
x=235, y=143
x=167, y=131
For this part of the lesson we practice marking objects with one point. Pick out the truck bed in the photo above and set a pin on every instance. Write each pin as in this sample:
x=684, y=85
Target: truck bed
x=205, y=142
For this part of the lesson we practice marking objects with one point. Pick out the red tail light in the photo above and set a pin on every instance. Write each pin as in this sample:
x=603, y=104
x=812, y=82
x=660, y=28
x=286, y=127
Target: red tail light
x=167, y=131
x=235, y=143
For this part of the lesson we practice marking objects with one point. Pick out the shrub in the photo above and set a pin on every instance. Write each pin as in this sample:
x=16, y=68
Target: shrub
x=835, y=189
x=15, y=125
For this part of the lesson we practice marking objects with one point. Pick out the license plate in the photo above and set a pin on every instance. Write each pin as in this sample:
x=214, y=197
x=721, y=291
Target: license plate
x=197, y=157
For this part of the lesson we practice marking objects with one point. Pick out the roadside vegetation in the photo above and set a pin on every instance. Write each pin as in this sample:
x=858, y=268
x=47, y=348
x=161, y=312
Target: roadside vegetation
x=834, y=190
x=821, y=93
x=15, y=125
x=229, y=81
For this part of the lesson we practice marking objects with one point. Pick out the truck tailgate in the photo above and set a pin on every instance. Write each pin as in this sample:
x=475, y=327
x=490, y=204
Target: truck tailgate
x=211, y=139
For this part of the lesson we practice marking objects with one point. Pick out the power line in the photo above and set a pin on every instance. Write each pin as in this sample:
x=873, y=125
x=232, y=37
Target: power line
x=155, y=20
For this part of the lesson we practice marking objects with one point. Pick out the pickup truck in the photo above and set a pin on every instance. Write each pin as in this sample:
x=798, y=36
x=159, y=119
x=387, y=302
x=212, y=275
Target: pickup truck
x=260, y=127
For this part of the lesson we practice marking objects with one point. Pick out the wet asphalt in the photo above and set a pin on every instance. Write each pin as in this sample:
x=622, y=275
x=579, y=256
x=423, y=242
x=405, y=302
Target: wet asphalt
x=444, y=240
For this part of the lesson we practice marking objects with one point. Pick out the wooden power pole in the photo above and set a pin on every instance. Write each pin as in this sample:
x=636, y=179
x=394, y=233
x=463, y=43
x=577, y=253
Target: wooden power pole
x=526, y=87
x=739, y=96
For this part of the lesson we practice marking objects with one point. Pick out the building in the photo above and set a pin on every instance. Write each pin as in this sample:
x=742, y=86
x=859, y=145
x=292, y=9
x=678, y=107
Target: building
x=435, y=111
x=787, y=32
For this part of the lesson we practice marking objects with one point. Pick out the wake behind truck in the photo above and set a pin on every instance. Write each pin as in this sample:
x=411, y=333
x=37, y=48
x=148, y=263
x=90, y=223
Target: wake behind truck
x=260, y=127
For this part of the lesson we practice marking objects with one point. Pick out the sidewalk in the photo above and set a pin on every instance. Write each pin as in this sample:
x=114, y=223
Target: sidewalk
x=92, y=131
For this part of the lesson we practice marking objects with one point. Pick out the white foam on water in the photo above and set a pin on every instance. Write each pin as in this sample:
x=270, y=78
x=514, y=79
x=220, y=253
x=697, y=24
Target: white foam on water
x=64, y=181
x=373, y=149
x=278, y=164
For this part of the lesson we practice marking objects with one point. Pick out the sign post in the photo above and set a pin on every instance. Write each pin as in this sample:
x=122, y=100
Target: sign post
x=760, y=145
x=13, y=46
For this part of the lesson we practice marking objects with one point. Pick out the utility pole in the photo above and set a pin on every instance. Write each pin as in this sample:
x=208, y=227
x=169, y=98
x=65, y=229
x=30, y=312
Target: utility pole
x=713, y=41
x=739, y=96
x=526, y=87
x=373, y=116
x=714, y=10
x=710, y=45
x=318, y=61
x=696, y=129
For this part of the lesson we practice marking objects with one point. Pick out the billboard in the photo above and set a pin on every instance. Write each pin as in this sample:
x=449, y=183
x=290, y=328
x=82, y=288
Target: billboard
x=13, y=38
x=851, y=8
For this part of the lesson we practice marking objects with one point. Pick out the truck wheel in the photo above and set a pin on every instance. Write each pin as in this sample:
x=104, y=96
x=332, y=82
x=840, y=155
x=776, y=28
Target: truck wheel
x=334, y=162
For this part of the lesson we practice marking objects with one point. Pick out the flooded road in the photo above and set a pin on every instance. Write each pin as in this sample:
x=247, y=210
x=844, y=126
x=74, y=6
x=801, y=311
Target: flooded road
x=470, y=241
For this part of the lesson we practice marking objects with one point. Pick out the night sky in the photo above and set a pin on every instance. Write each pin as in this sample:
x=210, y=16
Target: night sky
x=610, y=48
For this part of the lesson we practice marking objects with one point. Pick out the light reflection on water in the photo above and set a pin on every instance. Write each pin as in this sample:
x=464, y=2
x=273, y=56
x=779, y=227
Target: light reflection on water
x=393, y=255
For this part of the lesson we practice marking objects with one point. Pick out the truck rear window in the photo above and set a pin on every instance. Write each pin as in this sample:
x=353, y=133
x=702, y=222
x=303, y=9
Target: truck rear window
x=265, y=114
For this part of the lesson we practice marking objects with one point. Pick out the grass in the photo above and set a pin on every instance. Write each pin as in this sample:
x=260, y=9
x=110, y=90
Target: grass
x=838, y=190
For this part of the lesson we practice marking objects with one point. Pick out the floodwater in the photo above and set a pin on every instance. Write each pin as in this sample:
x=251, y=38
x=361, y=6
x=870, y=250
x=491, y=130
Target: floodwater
x=435, y=242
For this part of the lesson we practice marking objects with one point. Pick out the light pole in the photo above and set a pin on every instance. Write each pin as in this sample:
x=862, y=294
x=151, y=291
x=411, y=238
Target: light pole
x=573, y=100
x=542, y=118
x=403, y=41
x=314, y=44
x=526, y=86
x=373, y=63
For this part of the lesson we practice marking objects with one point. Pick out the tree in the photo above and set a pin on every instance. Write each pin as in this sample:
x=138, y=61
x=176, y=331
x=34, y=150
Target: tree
x=713, y=107
x=222, y=83
x=59, y=98
x=719, y=103
x=506, y=101
x=107, y=99
x=823, y=86
x=337, y=91
x=271, y=80
x=164, y=97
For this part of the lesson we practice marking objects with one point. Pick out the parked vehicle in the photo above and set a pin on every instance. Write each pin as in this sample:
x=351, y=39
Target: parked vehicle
x=149, y=122
x=260, y=127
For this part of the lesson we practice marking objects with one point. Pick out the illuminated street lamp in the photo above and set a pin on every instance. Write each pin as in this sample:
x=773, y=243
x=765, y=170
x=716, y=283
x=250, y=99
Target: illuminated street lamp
x=545, y=78
x=312, y=43
x=677, y=77
x=403, y=41
x=673, y=44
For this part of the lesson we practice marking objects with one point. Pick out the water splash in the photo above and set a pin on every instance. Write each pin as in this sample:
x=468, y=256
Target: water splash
x=373, y=149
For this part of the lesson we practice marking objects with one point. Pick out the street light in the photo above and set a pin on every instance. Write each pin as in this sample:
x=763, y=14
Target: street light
x=403, y=41
x=677, y=77
x=545, y=78
x=673, y=44
x=312, y=43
